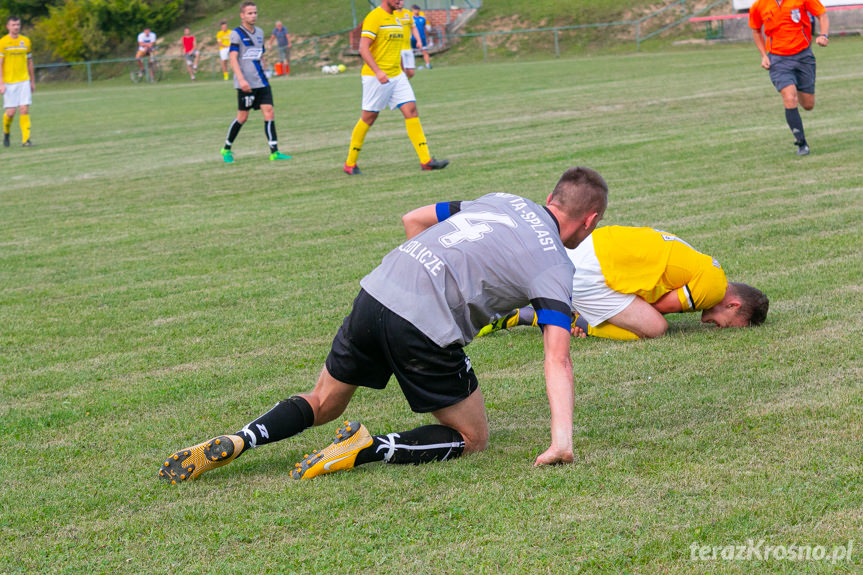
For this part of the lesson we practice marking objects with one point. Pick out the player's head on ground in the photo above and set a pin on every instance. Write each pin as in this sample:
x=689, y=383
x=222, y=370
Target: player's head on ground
x=248, y=13
x=742, y=306
x=580, y=196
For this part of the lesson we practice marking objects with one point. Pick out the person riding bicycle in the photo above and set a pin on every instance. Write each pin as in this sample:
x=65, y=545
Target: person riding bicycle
x=146, y=47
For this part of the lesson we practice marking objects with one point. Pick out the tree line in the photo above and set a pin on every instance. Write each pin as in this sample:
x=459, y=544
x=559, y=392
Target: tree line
x=74, y=30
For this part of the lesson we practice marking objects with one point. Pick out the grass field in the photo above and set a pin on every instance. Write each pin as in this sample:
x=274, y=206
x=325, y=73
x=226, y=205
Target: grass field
x=152, y=297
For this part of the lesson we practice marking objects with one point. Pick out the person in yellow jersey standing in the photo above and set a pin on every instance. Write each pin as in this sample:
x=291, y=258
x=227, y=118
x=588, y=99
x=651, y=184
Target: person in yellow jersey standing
x=17, y=80
x=384, y=84
x=223, y=39
x=409, y=65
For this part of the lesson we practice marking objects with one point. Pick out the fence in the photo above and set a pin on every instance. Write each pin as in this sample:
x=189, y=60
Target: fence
x=446, y=12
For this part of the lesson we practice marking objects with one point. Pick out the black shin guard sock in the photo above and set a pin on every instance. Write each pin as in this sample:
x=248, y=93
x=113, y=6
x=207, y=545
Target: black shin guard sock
x=795, y=122
x=272, y=139
x=421, y=445
x=233, y=132
x=288, y=418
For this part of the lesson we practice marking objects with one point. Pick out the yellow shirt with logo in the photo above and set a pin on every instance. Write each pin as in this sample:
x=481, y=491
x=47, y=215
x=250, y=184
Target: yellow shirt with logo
x=15, y=54
x=651, y=263
x=223, y=37
x=407, y=19
x=387, y=35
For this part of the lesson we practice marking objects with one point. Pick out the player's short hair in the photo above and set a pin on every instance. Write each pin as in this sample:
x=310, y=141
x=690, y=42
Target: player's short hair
x=580, y=191
x=13, y=18
x=415, y=7
x=753, y=303
x=223, y=22
x=246, y=4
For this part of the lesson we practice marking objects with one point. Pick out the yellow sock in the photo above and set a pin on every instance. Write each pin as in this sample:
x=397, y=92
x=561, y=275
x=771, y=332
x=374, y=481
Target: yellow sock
x=7, y=124
x=25, y=127
x=225, y=75
x=358, y=136
x=610, y=331
x=418, y=139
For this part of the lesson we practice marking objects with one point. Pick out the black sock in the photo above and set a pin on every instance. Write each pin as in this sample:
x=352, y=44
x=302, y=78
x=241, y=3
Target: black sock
x=289, y=417
x=795, y=122
x=421, y=445
x=272, y=140
x=233, y=131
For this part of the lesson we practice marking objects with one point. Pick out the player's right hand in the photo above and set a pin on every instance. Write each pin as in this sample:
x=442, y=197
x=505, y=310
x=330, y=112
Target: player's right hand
x=765, y=62
x=244, y=86
x=382, y=77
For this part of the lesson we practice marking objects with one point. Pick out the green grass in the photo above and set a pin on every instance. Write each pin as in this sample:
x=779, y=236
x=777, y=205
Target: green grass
x=151, y=297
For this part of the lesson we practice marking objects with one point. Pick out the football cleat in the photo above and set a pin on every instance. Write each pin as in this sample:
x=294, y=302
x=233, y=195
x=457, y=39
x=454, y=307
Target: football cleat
x=227, y=156
x=352, y=170
x=27, y=144
x=435, y=164
x=802, y=149
x=6, y=140
x=499, y=323
x=339, y=455
x=279, y=156
x=191, y=462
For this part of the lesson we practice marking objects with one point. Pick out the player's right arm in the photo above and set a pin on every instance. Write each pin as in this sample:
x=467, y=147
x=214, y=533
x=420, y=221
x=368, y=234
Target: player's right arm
x=366, y=54
x=755, y=22
x=234, y=57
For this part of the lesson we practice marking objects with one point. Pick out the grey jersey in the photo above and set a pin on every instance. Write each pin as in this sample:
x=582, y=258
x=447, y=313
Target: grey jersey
x=250, y=50
x=485, y=257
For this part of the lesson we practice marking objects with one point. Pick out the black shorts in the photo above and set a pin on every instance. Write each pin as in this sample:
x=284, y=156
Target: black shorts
x=374, y=343
x=797, y=70
x=255, y=99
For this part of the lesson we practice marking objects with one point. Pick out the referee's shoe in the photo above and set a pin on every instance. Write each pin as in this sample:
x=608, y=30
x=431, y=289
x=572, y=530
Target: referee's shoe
x=340, y=454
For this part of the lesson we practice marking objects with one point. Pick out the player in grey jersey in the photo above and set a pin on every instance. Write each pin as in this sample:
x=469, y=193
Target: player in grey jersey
x=462, y=263
x=253, y=89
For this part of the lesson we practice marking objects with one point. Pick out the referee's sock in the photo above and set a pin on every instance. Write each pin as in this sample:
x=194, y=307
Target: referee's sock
x=418, y=139
x=233, y=132
x=421, y=445
x=286, y=419
x=795, y=122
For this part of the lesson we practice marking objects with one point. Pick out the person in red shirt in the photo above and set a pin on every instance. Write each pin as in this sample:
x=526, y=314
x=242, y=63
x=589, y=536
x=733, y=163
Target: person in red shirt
x=787, y=54
x=190, y=51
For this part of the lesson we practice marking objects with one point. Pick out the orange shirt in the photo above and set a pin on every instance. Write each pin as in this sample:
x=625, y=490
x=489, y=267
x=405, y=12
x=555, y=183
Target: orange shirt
x=787, y=24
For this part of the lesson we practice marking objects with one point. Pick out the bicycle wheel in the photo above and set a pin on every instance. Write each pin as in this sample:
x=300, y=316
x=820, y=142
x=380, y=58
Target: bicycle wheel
x=156, y=67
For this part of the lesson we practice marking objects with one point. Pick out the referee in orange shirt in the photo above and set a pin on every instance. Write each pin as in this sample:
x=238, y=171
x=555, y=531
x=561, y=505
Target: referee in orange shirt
x=787, y=54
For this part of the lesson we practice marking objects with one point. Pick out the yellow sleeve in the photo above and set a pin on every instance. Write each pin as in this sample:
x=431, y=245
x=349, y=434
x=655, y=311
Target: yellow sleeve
x=372, y=24
x=705, y=289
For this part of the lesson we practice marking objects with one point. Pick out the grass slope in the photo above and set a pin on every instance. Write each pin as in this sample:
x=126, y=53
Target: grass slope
x=153, y=297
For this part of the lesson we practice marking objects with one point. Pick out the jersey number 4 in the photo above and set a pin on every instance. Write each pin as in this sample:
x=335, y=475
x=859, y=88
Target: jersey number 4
x=472, y=226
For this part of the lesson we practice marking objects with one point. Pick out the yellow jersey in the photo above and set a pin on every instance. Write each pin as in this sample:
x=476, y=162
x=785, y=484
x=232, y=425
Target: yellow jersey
x=387, y=35
x=651, y=263
x=15, y=54
x=223, y=38
x=407, y=20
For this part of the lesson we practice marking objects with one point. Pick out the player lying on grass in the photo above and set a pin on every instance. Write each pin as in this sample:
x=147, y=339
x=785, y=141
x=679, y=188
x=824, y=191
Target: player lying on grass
x=626, y=278
x=414, y=315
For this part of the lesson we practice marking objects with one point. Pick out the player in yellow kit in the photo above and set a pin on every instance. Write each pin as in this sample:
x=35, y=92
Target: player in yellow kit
x=406, y=18
x=17, y=80
x=223, y=39
x=384, y=84
x=626, y=278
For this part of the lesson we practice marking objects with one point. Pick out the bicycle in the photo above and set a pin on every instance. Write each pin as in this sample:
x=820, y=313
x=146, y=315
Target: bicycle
x=152, y=69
